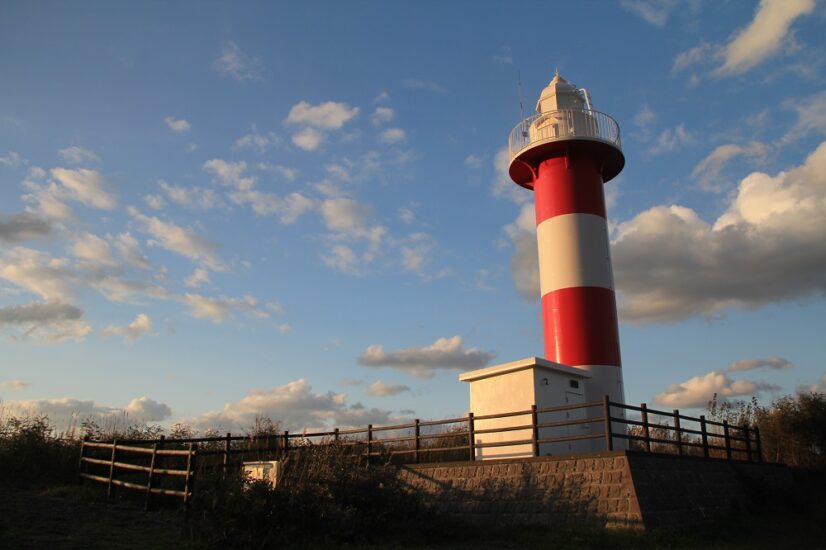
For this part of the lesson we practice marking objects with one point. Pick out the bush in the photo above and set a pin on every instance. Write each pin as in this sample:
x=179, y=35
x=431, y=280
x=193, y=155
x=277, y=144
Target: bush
x=31, y=456
x=326, y=495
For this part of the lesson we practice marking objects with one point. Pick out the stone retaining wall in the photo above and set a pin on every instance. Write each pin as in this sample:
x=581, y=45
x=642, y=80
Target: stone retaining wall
x=613, y=489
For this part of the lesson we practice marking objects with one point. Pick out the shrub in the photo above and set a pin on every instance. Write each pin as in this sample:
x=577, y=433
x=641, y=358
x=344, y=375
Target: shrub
x=326, y=495
x=30, y=455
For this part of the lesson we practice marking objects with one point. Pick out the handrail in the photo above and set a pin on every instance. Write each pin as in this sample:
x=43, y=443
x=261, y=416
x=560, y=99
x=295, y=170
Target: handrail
x=563, y=124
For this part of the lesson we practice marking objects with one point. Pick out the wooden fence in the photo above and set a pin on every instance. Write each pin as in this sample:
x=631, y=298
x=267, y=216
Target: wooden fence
x=147, y=465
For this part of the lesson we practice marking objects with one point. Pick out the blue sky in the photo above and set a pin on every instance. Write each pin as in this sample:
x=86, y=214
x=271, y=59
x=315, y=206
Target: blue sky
x=214, y=210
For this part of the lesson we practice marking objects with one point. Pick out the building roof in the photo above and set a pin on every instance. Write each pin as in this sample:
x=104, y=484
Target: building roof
x=522, y=364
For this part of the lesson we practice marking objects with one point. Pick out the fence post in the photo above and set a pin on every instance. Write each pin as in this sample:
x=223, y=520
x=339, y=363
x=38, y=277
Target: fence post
x=151, y=475
x=727, y=438
x=417, y=443
x=111, y=468
x=747, y=432
x=678, y=436
x=758, y=444
x=189, y=483
x=80, y=469
x=645, y=432
x=369, y=442
x=535, y=434
x=606, y=407
x=335, y=435
x=286, y=442
x=471, y=432
x=227, y=443
x=704, y=434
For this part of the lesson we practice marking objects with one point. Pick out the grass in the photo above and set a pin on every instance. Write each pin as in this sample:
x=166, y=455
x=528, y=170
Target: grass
x=326, y=499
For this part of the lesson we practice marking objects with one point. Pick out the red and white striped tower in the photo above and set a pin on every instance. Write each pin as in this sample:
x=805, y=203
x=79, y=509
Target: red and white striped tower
x=564, y=154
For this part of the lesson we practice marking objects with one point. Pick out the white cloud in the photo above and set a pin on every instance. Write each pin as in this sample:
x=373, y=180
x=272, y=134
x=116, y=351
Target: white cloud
x=92, y=248
x=177, y=125
x=644, y=117
x=768, y=246
x=474, y=161
x=708, y=170
x=702, y=54
x=180, y=240
x=296, y=406
x=39, y=273
x=220, y=309
x=155, y=202
x=23, y=227
x=342, y=258
x=48, y=321
x=140, y=326
x=254, y=140
x=14, y=385
x=444, y=353
x=524, y=264
x=764, y=36
x=382, y=115
x=12, y=160
x=696, y=392
x=289, y=209
x=382, y=97
x=198, y=277
x=262, y=203
x=330, y=115
x=236, y=64
x=85, y=186
x=417, y=255
x=670, y=140
x=503, y=187
x=130, y=251
x=406, y=215
x=817, y=387
x=308, y=139
x=348, y=219
x=392, y=135
x=67, y=414
x=190, y=197
x=380, y=389
x=289, y=174
x=77, y=155
x=230, y=173
x=345, y=215
x=425, y=85
x=655, y=12
x=811, y=117
x=148, y=410
x=777, y=363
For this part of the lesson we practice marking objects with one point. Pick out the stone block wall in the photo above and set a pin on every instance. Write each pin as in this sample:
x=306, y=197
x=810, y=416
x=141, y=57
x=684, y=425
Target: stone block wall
x=611, y=489
x=593, y=489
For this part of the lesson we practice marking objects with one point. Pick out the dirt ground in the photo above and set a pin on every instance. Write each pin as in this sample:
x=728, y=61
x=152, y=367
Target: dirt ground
x=66, y=517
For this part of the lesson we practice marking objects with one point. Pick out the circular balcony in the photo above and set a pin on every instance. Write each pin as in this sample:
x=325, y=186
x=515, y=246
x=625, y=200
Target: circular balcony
x=538, y=135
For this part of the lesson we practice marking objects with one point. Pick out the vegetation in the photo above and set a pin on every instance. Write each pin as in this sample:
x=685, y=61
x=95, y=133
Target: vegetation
x=328, y=497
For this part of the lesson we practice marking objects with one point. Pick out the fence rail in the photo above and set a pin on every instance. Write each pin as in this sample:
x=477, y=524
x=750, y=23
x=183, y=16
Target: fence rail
x=167, y=466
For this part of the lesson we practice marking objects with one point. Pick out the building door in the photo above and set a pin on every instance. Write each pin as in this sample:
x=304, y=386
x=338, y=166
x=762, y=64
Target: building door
x=582, y=445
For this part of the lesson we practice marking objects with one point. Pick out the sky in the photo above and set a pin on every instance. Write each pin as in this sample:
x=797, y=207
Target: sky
x=216, y=210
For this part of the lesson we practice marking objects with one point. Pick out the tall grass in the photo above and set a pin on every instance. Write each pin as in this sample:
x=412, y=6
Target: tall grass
x=326, y=495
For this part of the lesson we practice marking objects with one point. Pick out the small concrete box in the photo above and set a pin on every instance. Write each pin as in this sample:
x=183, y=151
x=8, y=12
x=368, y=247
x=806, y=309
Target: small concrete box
x=516, y=386
x=263, y=470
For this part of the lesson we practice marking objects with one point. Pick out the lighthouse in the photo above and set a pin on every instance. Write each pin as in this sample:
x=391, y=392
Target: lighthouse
x=564, y=153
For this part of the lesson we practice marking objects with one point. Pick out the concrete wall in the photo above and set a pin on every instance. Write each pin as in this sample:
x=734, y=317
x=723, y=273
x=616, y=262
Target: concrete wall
x=513, y=391
x=615, y=489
